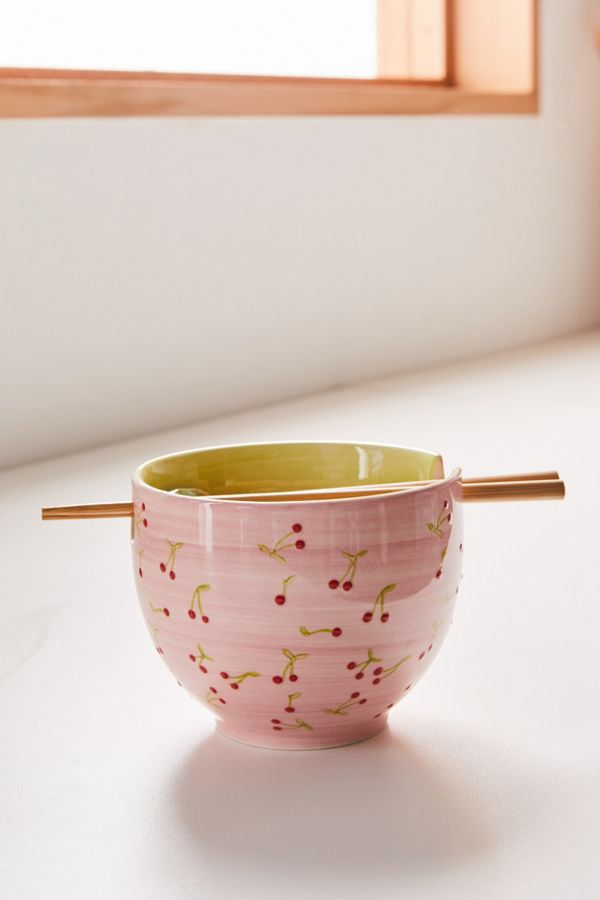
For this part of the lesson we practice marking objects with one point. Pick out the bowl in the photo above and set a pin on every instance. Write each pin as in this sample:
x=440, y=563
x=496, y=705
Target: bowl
x=300, y=624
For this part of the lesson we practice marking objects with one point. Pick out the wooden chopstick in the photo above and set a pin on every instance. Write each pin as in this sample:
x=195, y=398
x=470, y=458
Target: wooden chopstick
x=531, y=486
x=89, y=511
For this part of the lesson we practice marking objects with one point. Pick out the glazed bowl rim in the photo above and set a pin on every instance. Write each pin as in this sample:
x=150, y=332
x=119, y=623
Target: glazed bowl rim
x=138, y=481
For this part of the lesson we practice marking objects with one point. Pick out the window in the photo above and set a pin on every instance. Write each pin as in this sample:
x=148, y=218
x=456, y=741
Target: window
x=267, y=57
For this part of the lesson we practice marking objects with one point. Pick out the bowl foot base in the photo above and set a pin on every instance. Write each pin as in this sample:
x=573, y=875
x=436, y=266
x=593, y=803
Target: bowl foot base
x=287, y=741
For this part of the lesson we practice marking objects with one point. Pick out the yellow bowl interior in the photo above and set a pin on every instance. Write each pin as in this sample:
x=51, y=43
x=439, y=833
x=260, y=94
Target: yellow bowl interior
x=254, y=468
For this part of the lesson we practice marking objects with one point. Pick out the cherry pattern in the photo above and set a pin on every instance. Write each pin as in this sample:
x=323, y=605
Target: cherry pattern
x=443, y=518
x=334, y=632
x=290, y=701
x=383, y=711
x=437, y=528
x=347, y=579
x=360, y=667
x=371, y=665
x=139, y=519
x=159, y=609
x=434, y=628
x=159, y=649
x=234, y=681
x=289, y=669
x=380, y=673
x=276, y=552
x=282, y=597
x=342, y=709
x=278, y=725
x=169, y=566
x=212, y=697
x=201, y=658
x=379, y=603
x=197, y=602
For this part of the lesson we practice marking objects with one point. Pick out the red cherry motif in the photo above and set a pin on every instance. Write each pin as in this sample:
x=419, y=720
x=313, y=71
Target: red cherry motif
x=212, y=698
x=139, y=518
x=381, y=673
x=430, y=647
x=364, y=664
x=347, y=579
x=278, y=548
x=160, y=609
x=380, y=604
x=278, y=725
x=389, y=706
x=334, y=632
x=201, y=658
x=290, y=708
x=236, y=680
x=342, y=709
x=174, y=546
x=288, y=670
x=281, y=597
x=197, y=602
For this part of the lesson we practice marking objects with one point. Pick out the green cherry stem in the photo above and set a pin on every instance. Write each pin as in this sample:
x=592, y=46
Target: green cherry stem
x=381, y=674
x=380, y=602
x=336, y=632
x=196, y=601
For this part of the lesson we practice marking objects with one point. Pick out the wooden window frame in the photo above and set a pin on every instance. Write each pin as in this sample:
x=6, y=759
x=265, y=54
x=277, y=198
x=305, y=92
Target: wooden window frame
x=487, y=72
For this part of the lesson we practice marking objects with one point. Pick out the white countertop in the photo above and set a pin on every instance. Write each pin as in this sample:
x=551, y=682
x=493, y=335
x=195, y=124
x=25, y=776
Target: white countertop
x=487, y=785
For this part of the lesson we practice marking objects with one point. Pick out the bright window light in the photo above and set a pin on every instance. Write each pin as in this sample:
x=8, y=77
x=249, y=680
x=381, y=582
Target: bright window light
x=328, y=38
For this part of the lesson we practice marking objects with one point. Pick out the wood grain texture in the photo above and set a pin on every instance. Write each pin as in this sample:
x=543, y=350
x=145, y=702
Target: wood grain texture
x=59, y=93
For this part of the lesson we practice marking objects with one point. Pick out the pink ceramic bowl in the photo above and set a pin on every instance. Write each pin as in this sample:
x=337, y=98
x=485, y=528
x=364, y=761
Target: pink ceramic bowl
x=299, y=623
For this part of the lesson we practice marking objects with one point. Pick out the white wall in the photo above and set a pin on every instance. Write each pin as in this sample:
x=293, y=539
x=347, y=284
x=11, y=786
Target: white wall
x=157, y=271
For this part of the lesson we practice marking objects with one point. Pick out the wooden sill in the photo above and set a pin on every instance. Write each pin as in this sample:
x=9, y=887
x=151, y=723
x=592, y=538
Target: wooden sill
x=37, y=93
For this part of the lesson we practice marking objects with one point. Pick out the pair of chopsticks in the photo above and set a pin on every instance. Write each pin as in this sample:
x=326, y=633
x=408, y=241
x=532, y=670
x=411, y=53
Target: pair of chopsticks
x=528, y=486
